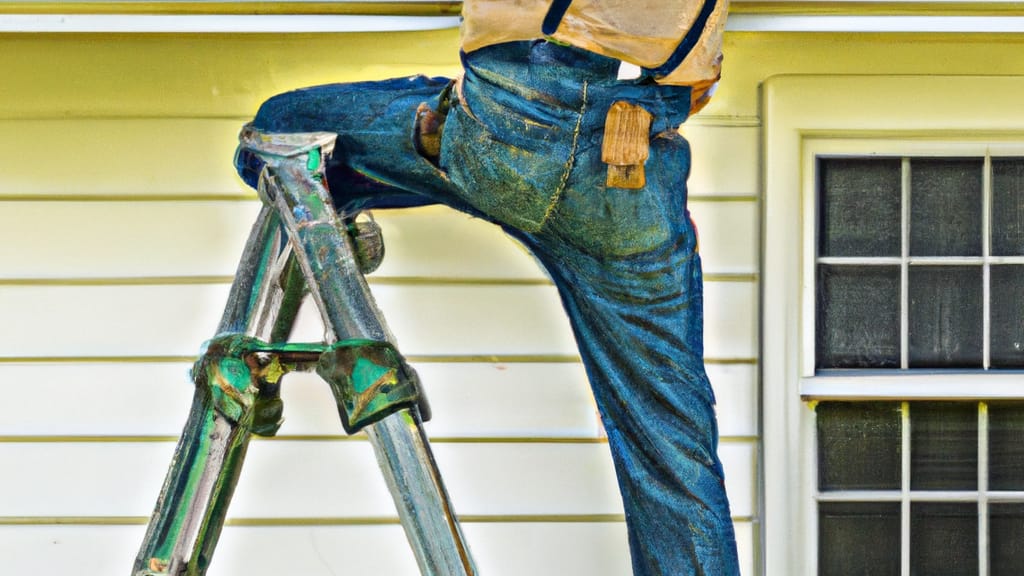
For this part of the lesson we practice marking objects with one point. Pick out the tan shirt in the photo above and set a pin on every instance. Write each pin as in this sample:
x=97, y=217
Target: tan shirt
x=641, y=32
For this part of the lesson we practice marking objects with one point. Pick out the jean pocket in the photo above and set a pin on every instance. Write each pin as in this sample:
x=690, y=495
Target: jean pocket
x=609, y=222
x=510, y=179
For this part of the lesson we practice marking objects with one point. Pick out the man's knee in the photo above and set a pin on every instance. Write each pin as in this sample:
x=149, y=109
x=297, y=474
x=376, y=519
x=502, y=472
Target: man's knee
x=277, y=114
x=287, y=112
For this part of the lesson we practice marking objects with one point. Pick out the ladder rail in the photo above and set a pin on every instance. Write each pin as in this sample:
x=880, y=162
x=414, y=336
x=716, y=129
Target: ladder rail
x=190, y=511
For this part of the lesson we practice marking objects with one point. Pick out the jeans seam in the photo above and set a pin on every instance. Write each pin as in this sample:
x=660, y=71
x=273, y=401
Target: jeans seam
x=557, y=196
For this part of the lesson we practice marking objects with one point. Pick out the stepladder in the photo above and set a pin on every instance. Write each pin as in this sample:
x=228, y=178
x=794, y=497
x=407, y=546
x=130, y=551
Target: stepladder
x=300, y=247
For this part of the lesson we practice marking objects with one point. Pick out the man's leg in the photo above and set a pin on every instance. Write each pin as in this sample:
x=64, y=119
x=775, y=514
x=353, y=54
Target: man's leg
x=637, y=312
x=625, y=265
x=375, y=163
x=640, y=345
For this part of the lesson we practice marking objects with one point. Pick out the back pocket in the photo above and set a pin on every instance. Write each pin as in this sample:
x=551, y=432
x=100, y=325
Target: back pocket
x=512, y=177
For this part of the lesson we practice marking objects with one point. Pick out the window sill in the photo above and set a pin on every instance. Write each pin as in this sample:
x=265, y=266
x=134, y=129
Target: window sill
x=913, y=385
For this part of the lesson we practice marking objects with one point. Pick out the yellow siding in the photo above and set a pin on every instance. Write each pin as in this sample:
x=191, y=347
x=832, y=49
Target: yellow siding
x=752, y=57
x=123, y=225
x=123, y=222
x=198, y=76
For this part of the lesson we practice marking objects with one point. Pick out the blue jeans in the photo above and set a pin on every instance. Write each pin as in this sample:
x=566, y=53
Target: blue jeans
x=522, y=149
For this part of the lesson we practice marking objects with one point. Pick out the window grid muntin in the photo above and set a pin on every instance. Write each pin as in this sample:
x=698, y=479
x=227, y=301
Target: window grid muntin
x=986, y=270
x=905, y=496
x=905, y=518
x=905, y=260
x=983, y=471
x=905, y=295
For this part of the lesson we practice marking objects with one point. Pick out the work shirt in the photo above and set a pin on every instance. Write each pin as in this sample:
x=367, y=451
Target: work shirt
x=676, y=42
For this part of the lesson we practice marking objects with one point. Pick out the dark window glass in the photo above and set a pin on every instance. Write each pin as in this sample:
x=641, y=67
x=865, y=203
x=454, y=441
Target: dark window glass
x=1008, y=206
x=859, y=446
x=943, y=539
x=860, y=207
x=858, y=317
x=946, y=317
x=1006, y=539
x=1007, y=316
x=858, y=539
x=945, y=207
x=943, y=446
x=1006, y=447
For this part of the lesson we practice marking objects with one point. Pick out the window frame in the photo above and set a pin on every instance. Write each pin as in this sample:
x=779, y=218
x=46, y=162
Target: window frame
x=805, y=116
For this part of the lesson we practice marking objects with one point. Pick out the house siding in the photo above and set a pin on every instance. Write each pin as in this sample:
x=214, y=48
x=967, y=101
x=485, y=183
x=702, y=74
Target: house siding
x=123, y=221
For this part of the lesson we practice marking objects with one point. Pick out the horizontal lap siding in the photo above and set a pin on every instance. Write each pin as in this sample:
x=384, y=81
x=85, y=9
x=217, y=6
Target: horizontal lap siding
x=150, y=156
x=428, y=320
x=145, y=399
x=726, y=158
x=123, y=226
x=500, y=549
x=330, y=479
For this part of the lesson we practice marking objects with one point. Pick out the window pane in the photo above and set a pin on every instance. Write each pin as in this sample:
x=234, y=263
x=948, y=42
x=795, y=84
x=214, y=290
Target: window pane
x=859, y=446
x=1007, y=310
x=858, y=539
x=860, y=207
x=858, y=317
x=945, y=207
x=946, y=317
x=943, y=446
x=1008, y=206
x=943, y=539
x=1006, y=446
x=1006, y=539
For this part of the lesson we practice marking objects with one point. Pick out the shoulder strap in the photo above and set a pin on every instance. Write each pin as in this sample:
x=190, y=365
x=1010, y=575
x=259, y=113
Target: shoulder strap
x=554, y=16
x=688, y=42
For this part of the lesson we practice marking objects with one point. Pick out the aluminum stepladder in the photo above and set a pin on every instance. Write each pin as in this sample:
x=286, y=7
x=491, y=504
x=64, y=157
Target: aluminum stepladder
x=299, y=245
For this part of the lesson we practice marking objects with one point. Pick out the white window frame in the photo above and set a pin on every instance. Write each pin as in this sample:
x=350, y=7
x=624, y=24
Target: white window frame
x=808, y=116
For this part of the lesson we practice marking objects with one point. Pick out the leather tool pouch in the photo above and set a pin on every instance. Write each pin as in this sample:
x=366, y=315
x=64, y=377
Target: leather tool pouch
x=626, y=145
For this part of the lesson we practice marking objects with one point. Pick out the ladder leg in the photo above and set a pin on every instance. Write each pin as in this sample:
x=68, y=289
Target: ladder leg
x=332, y=273
x=190, y=511
x=407, y=462
x=192, y=506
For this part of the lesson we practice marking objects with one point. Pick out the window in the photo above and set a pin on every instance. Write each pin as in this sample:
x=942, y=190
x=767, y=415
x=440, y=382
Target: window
x=920, y=488
x=892, y=384
x=920, y=265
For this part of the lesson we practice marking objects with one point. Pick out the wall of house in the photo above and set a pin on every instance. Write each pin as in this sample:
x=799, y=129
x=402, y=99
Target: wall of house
x=123, y=221
x=123, y=225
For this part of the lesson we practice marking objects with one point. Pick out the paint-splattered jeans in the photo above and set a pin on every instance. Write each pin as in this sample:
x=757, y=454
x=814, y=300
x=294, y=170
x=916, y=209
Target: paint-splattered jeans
x=522, y=149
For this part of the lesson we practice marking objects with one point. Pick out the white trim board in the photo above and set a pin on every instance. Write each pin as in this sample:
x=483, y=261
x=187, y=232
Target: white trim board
x=219, y=23
x=312, y=23
x=879, y=23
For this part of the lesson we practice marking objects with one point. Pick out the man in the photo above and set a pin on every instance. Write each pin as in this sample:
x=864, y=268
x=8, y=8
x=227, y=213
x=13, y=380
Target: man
x=540, y=137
